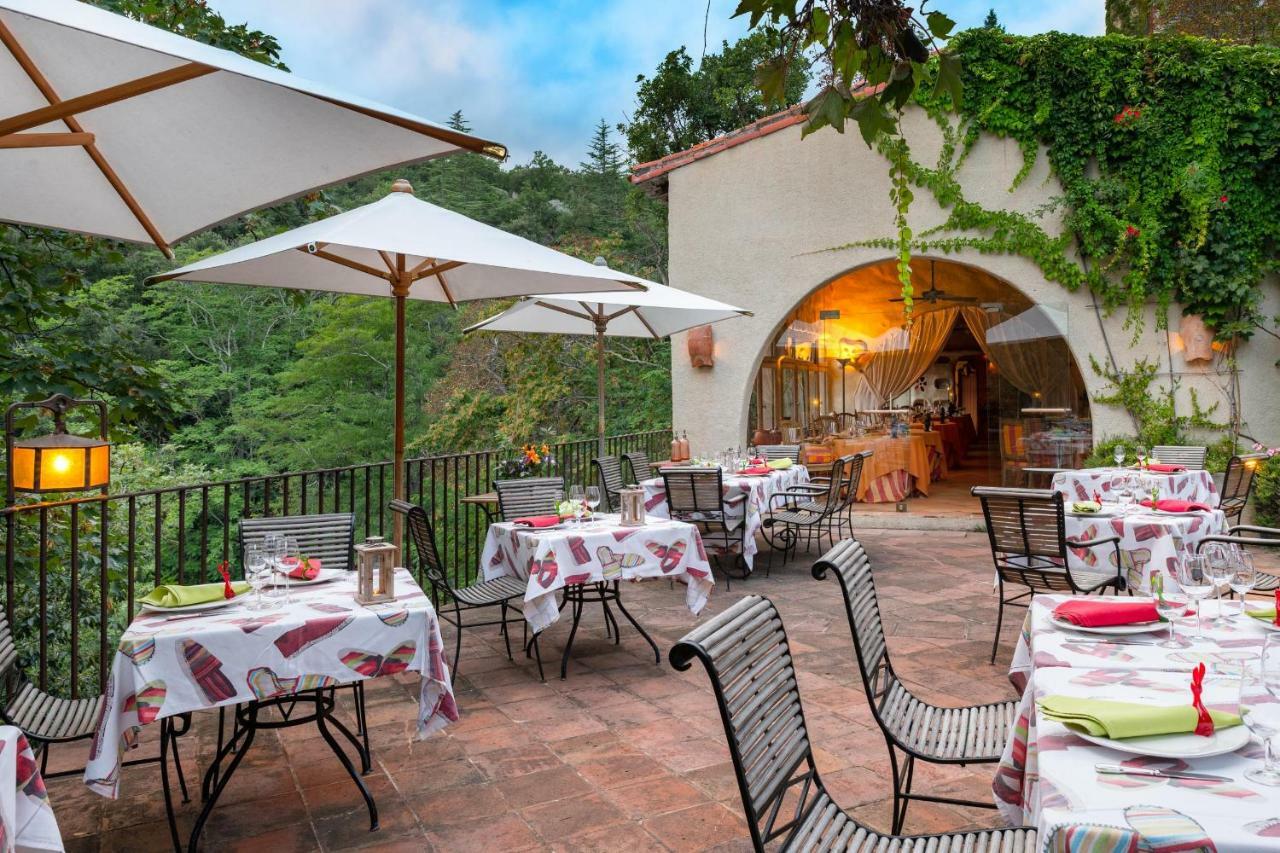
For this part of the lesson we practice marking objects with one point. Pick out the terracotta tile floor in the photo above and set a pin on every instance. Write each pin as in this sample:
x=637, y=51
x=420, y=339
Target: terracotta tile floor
x=624, y=755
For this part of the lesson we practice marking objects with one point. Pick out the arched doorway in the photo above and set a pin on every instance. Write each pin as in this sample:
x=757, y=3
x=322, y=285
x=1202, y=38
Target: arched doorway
x=982, y=367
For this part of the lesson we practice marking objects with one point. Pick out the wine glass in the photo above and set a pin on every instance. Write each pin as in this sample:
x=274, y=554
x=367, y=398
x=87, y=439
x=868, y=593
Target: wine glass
x=1120, y=488
x=1218, y=564
x=559, y=498
x=273, y=549
x=576, y=497
x=1243, y=576
x=1170, y=606
x=1141, y=452
x=290, y=550
x=1117, y=453
x=1260, y=710
x=1196, y=583
x=256, y=573
x=592, y=498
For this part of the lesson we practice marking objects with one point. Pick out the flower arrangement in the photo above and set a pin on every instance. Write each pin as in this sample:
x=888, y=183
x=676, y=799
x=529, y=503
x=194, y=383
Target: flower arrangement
x=529, y=461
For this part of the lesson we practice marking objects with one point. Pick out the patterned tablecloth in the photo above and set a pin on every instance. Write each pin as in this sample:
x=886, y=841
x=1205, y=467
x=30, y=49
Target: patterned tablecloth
x=1150, y=542
x=550, y=559
x=26, y=820
x=758, y=490
x=892, y=458
x=1046, y=776
x=166, y=665
x=1084, y=484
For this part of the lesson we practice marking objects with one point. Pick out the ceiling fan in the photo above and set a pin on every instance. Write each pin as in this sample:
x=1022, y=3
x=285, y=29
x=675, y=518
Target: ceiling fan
x=933, y=295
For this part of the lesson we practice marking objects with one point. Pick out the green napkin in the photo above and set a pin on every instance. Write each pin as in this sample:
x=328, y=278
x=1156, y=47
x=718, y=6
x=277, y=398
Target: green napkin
x=1264, y=614
x=177, y=595
x=780, y=464
x=1086, y=506
x=1106, y=718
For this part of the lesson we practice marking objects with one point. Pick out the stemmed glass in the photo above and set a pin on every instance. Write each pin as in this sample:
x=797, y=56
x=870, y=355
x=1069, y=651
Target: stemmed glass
x=1260, y=708
x=273, y=547
x=577, y=496
x=1194, y=579
x=592, y=499
x=1243, y=576
x=257, y=573
x=1120, y=488
x=290, y=550
x=1170, y=606
x=1141, y=453
x=1117, y=453
x=1218, y=564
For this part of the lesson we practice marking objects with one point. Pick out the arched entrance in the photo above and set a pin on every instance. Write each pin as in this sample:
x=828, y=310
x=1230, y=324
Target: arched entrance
x=986, y=368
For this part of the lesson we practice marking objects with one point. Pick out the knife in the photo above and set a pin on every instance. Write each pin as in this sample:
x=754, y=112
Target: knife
x=1159, y=774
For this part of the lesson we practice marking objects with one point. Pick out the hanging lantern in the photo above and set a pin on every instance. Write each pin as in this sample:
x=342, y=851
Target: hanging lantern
x=376, y=568
x=59, y=461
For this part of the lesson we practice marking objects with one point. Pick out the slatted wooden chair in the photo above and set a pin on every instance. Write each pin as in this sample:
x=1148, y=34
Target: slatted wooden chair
x=770, y=452
x=745, y=652
x=1027, y=531
x=1254, y=536
x=975, y=734
x=812, y=513
x=638, y=464
x=1189, y=456
x=329, y=538
x=1237, y=484
x=696, y=495
x=528, y=496
x=608, y=472
x=452, y=603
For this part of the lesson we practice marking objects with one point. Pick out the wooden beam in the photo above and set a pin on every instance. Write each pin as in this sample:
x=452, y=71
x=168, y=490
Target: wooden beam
x=59, y=109
x=390, y=263
x=45, y=140
x=420, y=272
x=347, y=262
x=444, y=285
x=553, y=307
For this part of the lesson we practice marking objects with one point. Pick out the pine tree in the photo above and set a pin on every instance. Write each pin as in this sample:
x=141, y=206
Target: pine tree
x=992, y=22
x=604, y=159
x=458, y=123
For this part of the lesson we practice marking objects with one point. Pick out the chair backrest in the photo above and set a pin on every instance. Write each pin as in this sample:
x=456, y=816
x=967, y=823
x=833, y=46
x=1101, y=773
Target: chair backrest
x=1011, y=444
x=746, y=654
x=1237, y=483
x=8, y=650
x=694, y=490
x=780, y=451
x=853, y=475
x=1181, y=454
x=638, y=462
x=849, y=563
x=421, y=532
x=527, y=496
x=834, y=497
x=609, y=478
x=1024, y=522
x=330, y=538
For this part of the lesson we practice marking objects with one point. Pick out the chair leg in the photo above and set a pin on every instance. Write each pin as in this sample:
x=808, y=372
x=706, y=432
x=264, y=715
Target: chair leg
x=457, y=649
x=506, y=636
x=898, y=807
x=995, y=642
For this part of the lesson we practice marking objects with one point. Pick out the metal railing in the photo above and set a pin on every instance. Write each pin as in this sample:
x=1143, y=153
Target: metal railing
x=75, y=568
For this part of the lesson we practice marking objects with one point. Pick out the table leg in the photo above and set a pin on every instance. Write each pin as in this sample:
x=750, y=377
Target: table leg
x=568, y=646
x=617, y=597
x=321, y=714
x=251, y=725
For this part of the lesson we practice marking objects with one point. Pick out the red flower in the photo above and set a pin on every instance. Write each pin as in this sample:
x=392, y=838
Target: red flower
x=1130, y=231
x=1223, y=199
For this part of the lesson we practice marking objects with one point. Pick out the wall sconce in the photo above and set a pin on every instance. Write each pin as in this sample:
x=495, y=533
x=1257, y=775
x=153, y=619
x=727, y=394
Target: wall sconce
x=702, y=346
x=59, y=461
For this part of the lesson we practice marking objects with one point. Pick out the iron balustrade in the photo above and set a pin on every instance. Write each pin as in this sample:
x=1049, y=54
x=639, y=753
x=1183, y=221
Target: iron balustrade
x=74, y=569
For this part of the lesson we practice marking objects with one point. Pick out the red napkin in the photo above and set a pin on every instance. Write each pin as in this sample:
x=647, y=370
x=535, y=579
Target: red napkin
x=1277, y=619
x=756, y=470
x=301, y=570
x=1165, y=468
x=1177, y=505
x=1204, y=726
x=1101, y=614
x=538, y=521
x=227, y=591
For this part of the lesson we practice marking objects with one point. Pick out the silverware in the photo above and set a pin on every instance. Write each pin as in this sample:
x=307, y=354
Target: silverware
x=1159, y=774
x=1113, y=642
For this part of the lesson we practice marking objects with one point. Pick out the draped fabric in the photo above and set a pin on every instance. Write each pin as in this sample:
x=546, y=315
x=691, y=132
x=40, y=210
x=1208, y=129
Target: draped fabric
x=1035, y=366
x=900, y=356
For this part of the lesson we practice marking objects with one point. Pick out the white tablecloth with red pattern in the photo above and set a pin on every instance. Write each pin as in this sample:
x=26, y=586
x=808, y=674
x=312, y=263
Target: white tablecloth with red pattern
x=166, y=666
x=1150, y=541
x=603, y=551
x=26, y=820
x=759, y=491
x=1087, y=484
x=1046, y=775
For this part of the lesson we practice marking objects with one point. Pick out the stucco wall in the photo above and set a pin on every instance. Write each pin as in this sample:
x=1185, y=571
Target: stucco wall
x=752, y=225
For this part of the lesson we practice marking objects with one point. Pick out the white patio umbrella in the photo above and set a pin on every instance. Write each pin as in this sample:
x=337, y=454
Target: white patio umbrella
x=403, y=247
x=112, y=127
x=657, y=312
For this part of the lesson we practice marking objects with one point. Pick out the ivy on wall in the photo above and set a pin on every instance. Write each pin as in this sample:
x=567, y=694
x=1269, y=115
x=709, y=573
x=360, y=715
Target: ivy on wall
x=1167, y=152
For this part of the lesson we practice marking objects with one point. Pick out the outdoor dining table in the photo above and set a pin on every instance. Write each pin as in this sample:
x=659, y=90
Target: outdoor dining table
x=1150, y=541
x=895, y=467
x=759, y=490
x=1085, y=483
x=26, y=819
x=167, y=666
x=1046, y=775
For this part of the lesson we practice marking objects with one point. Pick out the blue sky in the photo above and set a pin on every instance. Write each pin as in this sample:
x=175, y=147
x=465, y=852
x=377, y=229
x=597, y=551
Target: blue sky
x=535, y=74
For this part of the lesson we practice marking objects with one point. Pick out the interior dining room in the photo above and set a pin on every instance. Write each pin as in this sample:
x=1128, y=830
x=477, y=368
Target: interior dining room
x=978, y=387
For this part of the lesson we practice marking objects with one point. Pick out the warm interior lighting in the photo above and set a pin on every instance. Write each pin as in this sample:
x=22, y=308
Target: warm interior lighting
x=60, y=462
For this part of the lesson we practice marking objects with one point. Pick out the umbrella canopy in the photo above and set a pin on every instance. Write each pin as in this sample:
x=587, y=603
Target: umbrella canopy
x=403, y=247
x=657, y=312
x=1036, y=323
x=112, y=127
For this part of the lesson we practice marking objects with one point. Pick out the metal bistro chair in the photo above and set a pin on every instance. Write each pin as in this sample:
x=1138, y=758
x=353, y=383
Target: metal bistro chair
x=771, y=452
x=1237, y=484
x=528, y=496
x=505, y=592
x=1251, y=534
x=746, y=655
x=806, y=511
x=639, y=465
x=1189, y=456
x=853, y=464
x=974, y=734
x=608, y=472
x=1027, y=530
x=696, y=495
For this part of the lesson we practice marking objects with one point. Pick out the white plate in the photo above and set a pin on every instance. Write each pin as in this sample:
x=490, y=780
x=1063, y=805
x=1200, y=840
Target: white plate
x=324, y=576
x=1265, y=625
x=1114, y=630
x=1188, y=745
x=1102, y=513
x=1187, y=512
x=190, y=608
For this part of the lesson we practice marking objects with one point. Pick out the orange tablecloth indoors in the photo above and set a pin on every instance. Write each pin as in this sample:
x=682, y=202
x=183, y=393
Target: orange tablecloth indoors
x=910, y=454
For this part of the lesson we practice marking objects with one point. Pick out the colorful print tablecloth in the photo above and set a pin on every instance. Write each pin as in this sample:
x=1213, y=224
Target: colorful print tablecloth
x=1046, y=776
x=1082, y=485
x=168, y=665
x=26, y=820
x=1150, y=542
x=759, y=491
x=550, y=559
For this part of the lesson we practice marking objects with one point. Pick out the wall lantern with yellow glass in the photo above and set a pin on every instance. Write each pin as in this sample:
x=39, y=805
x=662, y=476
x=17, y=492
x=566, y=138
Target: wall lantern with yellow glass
x=58, y=461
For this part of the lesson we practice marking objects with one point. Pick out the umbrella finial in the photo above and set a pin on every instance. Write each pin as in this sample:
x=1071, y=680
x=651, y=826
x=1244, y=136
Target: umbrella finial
x=402, y=186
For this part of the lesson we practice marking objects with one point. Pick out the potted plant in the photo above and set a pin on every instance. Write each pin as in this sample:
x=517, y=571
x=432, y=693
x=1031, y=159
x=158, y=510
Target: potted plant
x=528, y=461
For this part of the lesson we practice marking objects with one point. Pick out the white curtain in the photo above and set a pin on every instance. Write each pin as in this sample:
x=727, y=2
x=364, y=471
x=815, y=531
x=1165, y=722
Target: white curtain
x=900, y=356
x=1038, y=367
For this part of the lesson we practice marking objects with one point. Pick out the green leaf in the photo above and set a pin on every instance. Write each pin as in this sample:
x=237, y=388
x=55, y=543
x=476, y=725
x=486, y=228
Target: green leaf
x=826, y=109
x=939, y=24
x=771, y=79
x=873, y=119
x=948, y=80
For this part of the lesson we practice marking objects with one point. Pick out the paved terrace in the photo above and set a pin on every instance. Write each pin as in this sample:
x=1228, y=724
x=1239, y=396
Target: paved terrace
x=624, y=755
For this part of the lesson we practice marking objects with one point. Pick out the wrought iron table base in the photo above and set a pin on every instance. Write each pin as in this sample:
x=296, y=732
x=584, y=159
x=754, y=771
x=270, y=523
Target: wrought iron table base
x=602, y=592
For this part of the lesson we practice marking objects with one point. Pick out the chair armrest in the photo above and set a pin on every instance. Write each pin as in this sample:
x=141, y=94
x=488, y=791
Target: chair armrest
x=1238, y=540
x=1254, y=528
x=735, y=500
x=1093, y=543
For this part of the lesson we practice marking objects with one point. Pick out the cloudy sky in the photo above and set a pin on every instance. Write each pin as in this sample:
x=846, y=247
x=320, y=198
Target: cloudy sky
x=536, y=74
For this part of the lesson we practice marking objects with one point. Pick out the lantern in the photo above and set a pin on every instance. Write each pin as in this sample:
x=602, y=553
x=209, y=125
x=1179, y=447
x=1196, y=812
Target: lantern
x=376, y=568
x=59, y=461
x=632, y=506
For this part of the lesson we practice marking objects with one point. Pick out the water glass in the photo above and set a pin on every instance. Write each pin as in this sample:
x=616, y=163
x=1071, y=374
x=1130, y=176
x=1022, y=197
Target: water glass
x=290, y=550
x=1260, y=708
x=1141, y=453
x=1117, y=453
x=592, y=498
x=1170, y=606
x=1121, y=491
x=1218, y=563
x=274, y=550
x=1243, y=576
x=256, y=572
x=577, y=496
x=1197, y=585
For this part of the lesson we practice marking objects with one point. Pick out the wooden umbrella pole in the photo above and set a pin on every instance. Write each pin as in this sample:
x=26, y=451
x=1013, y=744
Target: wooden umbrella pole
x=601, y=323
x=400, y=289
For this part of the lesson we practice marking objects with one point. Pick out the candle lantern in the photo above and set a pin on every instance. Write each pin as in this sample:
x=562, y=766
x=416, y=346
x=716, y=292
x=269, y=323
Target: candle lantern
x=632, y=506
x=59, y=461
x=376, y=565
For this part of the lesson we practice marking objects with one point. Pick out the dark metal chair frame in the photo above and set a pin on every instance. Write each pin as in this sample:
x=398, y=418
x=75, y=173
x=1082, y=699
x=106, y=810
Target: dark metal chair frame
x=813, y=511
x=1237, y=484
x=528, y=496
x=1035, y=554
x=638, y=462
x=696, y=495
x=1251, y=534
x=608, y=470
x=853, y=463
x=748, y=659
x=919, y=730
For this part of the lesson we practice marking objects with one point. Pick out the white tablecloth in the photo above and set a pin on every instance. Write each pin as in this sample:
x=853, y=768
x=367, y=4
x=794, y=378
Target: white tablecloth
x=758, y=491
x=1150, y=542
x=1087, y=483
x=166, y=666
x=550, y=559
x=26, y=820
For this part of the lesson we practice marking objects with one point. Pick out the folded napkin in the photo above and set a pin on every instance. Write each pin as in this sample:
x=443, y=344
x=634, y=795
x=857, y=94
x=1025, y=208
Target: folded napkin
x=1177, y=505
x=302, y=570
x=178, y=595
x=1108, y=718
x=1086, y=506
x=537, y=521
x=1165, y=468
x=1264, y=614
x=755, y=470
x=781, y=464
x=1101, y=614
